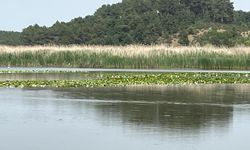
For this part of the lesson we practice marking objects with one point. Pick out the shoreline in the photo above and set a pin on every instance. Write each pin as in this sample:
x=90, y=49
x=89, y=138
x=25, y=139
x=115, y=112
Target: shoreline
x=110, y=70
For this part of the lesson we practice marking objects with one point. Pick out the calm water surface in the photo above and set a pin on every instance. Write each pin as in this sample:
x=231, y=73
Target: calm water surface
x=120, y=70
x=137, y=118
x=47, y=76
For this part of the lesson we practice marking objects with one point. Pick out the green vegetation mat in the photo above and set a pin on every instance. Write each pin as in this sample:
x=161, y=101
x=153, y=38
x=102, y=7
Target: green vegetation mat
x=119, y=79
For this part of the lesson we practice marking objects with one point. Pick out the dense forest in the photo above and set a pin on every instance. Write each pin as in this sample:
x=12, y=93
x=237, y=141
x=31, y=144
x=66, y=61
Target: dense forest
x=10, y=38
x=179, y=22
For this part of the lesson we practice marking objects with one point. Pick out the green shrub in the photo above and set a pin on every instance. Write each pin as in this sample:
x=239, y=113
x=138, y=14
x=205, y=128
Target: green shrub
x=220, y=38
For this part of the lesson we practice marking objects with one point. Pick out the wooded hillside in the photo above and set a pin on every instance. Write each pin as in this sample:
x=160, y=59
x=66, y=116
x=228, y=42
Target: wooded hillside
x=148, y=22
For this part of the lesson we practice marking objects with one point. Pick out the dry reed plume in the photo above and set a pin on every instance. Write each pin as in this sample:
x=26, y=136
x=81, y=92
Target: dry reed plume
x=131, y=50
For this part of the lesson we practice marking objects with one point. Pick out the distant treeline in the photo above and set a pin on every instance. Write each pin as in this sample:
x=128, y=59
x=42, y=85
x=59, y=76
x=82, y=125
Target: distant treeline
x=145, y=22
x=10, y=38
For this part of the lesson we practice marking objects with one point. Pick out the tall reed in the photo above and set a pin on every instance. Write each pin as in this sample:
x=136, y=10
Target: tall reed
x=133, y=56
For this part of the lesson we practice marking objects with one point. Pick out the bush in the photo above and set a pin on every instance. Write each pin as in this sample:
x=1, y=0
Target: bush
x=223, y=38
x=183, y=39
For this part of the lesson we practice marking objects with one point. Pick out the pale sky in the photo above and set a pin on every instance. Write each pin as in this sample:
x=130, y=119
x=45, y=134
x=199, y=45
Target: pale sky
x=18, y=14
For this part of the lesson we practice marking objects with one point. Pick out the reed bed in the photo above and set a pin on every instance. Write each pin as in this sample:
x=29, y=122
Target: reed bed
x=130, y=50
x=132, y=56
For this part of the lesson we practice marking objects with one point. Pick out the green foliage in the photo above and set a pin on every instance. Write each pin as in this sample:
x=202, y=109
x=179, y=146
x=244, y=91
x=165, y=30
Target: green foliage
x=10, y=38
x=118, y=80
x=83, y=59
x=133, y=22
x=220, y=38
x=138, y=22
x=244, y=41
x=242, y=18
x=183, y=38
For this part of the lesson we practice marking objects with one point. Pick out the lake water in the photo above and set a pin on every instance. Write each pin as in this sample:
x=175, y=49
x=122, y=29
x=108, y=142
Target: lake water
x=47, y=76
x=201, y=117
x=42, y=69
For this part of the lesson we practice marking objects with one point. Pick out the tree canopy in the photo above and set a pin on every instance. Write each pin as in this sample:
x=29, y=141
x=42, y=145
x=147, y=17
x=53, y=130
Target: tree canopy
x=10, y=38
x=137, y=22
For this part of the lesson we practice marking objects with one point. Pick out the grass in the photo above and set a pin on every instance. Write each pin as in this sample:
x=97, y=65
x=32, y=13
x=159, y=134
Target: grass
x=133, y=56
x=129, y=79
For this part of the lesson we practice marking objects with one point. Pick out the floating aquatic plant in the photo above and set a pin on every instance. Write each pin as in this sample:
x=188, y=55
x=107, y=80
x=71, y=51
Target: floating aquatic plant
x=127, y=79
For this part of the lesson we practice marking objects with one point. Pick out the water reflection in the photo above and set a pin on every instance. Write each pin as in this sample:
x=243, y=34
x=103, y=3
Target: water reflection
x=189, y=94
x=176, y=117
x=47, y=76
x=159, y=109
